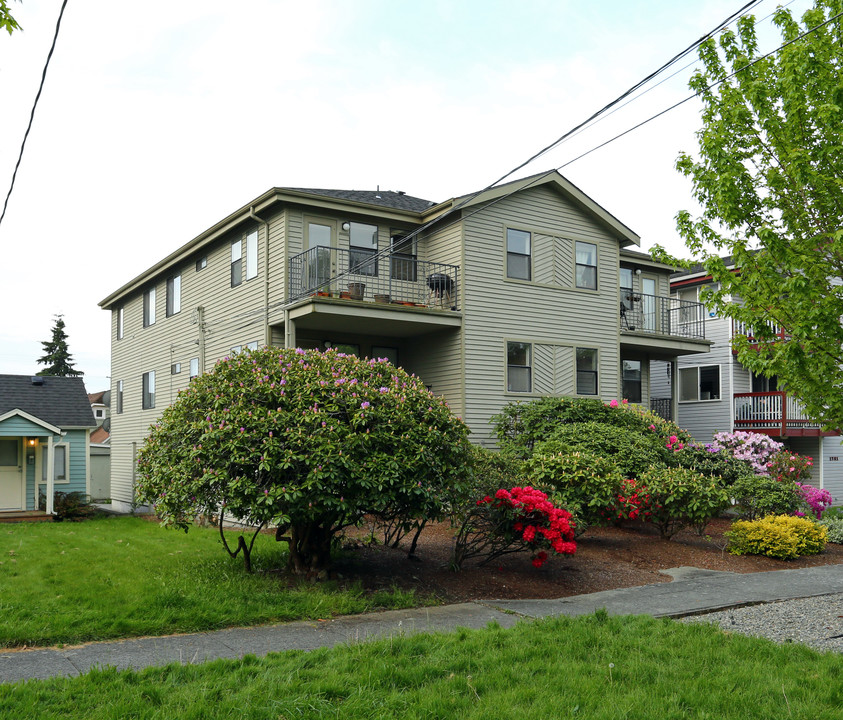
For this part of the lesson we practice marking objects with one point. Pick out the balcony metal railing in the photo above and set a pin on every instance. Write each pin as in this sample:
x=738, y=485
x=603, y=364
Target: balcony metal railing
x=363, y=275
x=770, y=411
x=662, y=315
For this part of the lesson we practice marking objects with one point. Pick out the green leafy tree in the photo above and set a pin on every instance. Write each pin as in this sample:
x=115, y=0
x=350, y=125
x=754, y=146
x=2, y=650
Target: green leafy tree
x=768, y=177
x=56, y=356
x=7, y=22
x=308, y=442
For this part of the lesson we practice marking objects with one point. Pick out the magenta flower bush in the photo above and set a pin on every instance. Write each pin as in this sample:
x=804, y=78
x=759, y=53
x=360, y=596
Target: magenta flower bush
x=817, y=500
x=305, y=441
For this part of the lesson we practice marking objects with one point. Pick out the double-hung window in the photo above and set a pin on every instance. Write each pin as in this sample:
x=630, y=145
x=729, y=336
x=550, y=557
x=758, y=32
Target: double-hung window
x=518, y=249
x=120, y=323
x=699, y=383
x=148, y=397
x=519, y=370
x=363, y=246
x=236, y=263
x=173, y=295
x=586, y=270
x=149, y=307
x=586, y=371
x=403, y=258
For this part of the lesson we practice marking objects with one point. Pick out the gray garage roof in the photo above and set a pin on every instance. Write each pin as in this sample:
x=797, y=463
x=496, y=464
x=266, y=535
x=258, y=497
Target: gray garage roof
x=59, y=401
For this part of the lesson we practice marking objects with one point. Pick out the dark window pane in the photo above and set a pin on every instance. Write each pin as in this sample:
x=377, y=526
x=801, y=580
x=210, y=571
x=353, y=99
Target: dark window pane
x=518, y=266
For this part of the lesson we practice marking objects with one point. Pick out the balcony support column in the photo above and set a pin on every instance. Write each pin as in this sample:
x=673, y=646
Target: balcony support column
x=289, y=330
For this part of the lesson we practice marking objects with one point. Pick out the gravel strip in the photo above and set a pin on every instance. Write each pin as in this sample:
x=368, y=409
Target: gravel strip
x=816, y=621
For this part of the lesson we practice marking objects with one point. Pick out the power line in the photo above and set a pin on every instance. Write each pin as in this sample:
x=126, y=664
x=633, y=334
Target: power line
x=32, y=113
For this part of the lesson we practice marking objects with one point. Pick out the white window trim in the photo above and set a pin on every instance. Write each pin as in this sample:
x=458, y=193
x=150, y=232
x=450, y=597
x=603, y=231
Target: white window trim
x=697, y=368
x=596, y=267
x=43, y=477
x=120, y=322
x=252, y=255
x=144, y=392
x=173, y=281
x=149, y=307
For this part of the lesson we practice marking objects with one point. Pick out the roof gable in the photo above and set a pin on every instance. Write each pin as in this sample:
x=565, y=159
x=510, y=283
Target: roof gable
x=58, y=401
x=625, y=235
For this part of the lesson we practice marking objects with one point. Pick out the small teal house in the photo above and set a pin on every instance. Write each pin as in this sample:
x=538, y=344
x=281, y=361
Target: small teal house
x=45, y=431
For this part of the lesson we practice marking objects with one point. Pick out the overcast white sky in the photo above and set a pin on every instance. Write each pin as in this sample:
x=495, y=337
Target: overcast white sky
x=160, y=118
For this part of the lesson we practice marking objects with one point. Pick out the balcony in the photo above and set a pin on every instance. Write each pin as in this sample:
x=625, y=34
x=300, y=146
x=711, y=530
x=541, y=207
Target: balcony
x=366, y=276
x=363, y=292
x=774, y=413
x=655, y=322
x=774, y=334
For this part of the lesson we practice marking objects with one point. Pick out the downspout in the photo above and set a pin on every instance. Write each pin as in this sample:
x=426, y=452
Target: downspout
x=731, y=396
x=267, y=338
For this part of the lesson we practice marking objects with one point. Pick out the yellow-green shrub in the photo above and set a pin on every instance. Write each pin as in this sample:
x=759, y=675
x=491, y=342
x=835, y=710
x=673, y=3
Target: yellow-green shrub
x=779, y=536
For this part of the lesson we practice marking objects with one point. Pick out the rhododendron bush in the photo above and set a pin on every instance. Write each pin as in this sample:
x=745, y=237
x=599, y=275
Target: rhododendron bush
x=515, y=520
x=307, y=441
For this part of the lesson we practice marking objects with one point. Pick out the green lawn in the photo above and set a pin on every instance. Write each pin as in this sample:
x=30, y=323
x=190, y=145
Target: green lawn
x=595, y=667
x=122, y=577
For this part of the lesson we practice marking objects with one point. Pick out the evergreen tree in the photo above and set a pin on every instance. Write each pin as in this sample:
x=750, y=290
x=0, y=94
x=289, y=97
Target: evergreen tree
x=57, y=357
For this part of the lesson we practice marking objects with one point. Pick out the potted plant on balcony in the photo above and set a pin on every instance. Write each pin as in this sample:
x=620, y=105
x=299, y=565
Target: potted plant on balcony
x=356, y=290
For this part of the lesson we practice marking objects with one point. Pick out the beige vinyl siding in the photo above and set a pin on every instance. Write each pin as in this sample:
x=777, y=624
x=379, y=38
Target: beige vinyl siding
x=176, y=339
x=553, y=314
x=830, y=463
x=437, y=359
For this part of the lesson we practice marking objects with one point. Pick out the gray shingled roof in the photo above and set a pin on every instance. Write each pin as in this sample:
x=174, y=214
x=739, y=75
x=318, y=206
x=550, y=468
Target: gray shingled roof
x=59, y=401
x=384, y=198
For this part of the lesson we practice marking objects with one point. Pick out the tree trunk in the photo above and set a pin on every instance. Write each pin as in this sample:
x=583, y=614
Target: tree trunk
x=310, y=548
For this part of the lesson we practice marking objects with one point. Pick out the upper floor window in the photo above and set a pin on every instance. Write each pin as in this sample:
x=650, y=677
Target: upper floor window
x=519, y=371
x=194, y=367
x=404, y=254
x=363, y=246
x=518, y=254
x=699, y=383
x=202, y=263
x=120, y=323
x=149, y=307
x=236, y=263
x=148, y=396
x=173, y=295
x=252, y=255
x=586, y=371
x=626, y=288
x=119, y=404
x=586, y=271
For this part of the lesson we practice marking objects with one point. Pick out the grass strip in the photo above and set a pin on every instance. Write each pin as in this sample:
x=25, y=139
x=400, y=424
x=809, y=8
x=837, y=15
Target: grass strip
x=596, y=667
x=65, y=583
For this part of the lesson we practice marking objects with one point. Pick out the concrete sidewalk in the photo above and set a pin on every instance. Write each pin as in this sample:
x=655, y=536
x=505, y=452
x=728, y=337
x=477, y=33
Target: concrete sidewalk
x=692, y=591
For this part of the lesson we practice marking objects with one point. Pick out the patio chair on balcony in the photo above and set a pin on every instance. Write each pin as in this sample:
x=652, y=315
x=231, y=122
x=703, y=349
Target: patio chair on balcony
x=625, y=324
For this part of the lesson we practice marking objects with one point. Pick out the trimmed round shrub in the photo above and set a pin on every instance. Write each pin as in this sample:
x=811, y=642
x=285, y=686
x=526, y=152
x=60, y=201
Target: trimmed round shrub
x=307, y=441
x=680, y=498
x=629, y=450
x=760, y=495
x=585, y=484
x=778, y=536
x=521, y=426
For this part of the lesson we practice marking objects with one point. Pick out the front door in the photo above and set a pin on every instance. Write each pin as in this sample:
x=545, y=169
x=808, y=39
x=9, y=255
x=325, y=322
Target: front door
x=11, y=474
x=320, y=241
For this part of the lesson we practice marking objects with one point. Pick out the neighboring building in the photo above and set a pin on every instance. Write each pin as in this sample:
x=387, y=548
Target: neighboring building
x=525, y=290
x=45, y=427
x=99, y=483
x=717, y=393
